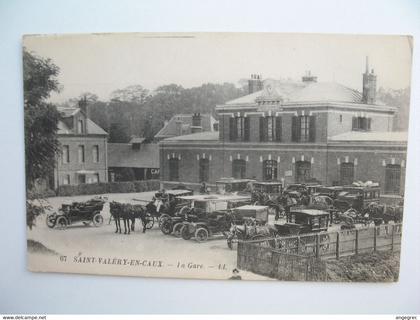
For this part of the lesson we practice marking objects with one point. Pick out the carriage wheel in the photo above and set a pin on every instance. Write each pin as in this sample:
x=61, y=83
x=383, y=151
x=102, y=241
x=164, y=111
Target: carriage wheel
x=162, y=218
x=150, y=222
x=98, y=220
x=50, y=221
x=185, y=233
x=201, y=235
x=177, y=229
x=61, y=223
x=167, y=227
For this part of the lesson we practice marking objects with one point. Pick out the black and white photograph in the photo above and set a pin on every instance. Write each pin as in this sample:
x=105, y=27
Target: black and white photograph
x=224, y=156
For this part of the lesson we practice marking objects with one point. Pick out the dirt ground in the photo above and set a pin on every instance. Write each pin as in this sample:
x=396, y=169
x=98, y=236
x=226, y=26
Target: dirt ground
x=88, y=249
x=372, y=267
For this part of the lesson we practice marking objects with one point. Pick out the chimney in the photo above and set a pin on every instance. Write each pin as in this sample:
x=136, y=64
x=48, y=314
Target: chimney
x=308, y=78
x=84, y=107
x=255, y=83
x=178, y=125
x=196, y=123
x=369, y=85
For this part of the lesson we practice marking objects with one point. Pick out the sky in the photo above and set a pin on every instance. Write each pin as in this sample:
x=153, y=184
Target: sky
x=102, y=63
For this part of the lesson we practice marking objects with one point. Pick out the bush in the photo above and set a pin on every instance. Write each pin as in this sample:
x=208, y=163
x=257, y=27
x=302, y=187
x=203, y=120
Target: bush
x=108, y=187
x=121, y=187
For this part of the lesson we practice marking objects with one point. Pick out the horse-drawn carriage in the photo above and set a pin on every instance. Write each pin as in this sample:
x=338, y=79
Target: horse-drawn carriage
x=88, y=212
x=206, y=215
x=231, y=185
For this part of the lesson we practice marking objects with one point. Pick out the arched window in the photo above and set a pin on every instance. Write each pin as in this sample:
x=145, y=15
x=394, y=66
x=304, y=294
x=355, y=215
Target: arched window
x=347, y=173
x=173, y=169
x=392, y=178
x=303, y=171
x=204, y=166
x=239, y=168
x=270, y=170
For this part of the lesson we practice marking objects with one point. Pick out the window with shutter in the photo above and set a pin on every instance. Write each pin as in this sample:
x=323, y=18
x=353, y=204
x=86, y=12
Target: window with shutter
x=270, y=170
x=312, y=129
x=204, y=166
x=295, y=129
x=232, y=129
x=262, y=128
x=278, y=129
x=173, y=169
x=392, y=178
x=247, y=129
x=239, y=168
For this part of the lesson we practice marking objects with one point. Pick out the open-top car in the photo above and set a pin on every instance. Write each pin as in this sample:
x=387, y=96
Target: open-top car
x=88, y=212
x=231, y=185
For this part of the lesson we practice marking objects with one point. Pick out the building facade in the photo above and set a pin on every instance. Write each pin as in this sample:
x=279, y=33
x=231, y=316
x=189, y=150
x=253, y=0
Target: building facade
x=84, y=155
x=295, y=132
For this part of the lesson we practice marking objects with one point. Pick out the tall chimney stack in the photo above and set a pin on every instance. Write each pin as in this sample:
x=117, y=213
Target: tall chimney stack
x=369, y=85
x=255, y=83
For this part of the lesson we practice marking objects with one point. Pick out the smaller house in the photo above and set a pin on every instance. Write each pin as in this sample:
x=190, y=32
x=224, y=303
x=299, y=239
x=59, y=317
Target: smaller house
x=183, y=124
x=136, y=160
x=83, y=156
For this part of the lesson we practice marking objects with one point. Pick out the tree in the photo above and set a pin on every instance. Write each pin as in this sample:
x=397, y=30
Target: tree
x=118, y=133
x=41, y=125
x=134, y=94
x=41, y=118
x=400, y=99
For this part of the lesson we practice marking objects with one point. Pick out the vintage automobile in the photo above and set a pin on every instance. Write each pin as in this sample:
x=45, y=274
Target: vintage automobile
x=231, y=185
x=357, y=197
x=329, y=191
x=301, y=220
x=88, y=212
x=213, y=215
x=270, y=188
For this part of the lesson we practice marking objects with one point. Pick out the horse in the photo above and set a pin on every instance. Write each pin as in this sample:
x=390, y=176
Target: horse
x=254, y=232
x=128, y=213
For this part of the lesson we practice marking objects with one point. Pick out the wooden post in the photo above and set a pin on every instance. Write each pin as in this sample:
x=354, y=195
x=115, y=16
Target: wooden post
x=337, y=246
x=392, y=238
x=317, y=246
x=374, y=239
x=356, y=243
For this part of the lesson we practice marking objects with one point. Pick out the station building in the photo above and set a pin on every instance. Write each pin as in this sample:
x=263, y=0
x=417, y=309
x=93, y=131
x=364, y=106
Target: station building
x=306, y=131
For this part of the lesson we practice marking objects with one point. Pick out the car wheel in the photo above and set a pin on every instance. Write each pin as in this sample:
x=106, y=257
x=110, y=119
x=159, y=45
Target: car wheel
x=201, y=235
x=185, y=233
x=61, y=223
x=167, y=227
x=51, y=221
x=162, y=218
x=177, y=229
x=98, y=220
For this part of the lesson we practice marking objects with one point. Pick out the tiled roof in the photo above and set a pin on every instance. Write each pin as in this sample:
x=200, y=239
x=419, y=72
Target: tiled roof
x=123, y=155
x=290, y=92
x=92, y=128
x=201, y=136
x=68, y=111
x=170, y=129
x=391, y=136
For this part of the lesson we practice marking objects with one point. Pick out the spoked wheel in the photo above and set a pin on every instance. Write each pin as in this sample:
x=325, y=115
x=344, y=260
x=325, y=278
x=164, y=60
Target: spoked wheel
x=162, y=218
x=61, y=223
x=51, y=221
x=98, y=220
x=230, y=242
x=177, y=229
x=167, y=226
x=150, y=222
x=185, y=233
x=201, y=235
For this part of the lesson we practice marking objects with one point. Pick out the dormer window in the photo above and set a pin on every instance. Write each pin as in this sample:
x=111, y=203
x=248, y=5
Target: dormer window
x=361, y=124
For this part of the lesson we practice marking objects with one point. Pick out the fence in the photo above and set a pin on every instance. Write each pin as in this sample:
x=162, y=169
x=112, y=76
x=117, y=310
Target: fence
x=276, y=264
x=302, y=257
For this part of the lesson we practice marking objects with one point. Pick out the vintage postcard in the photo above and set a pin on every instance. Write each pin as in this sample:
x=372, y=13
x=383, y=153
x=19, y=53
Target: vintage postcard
x=253, y=156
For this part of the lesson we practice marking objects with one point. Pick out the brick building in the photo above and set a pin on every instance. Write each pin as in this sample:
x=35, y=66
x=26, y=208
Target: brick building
x=295, y=132
x=83, y=157
x=137, y=156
